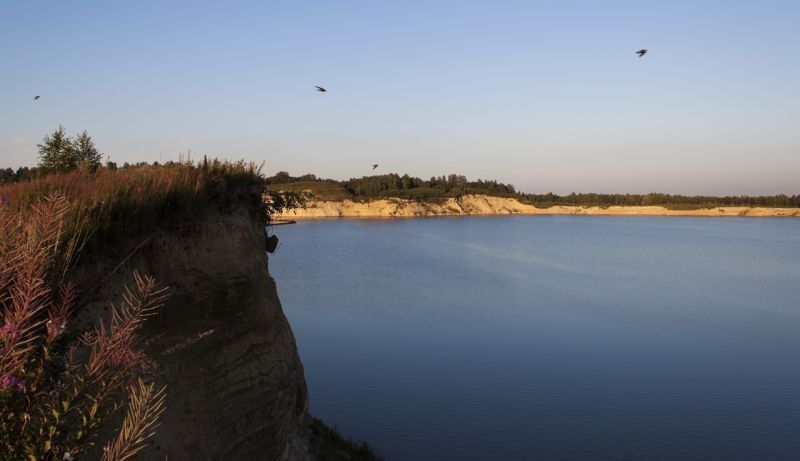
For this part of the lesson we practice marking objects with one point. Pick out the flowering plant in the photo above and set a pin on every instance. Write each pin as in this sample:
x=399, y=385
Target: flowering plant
x=59, y=390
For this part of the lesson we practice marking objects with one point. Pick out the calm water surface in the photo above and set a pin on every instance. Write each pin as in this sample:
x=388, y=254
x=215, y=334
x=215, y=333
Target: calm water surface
x=560, y=337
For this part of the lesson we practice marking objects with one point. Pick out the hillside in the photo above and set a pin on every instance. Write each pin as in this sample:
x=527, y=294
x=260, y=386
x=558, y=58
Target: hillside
x=220, y=344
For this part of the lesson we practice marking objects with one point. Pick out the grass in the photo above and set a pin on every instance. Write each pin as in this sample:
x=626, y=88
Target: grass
x=320, y=190
x=113, y=203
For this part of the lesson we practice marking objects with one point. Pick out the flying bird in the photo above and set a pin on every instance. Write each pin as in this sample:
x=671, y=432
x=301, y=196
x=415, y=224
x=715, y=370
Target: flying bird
x=36, y=97
x=320, y=89
x=374, y=166
x=641, y=53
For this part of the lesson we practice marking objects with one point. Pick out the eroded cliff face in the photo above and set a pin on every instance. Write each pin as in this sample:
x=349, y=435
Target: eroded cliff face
x=235, y=384
x=489, y=205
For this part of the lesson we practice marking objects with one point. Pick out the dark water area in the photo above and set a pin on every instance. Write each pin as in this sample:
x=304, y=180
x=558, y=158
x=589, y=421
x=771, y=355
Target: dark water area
x=556, y=337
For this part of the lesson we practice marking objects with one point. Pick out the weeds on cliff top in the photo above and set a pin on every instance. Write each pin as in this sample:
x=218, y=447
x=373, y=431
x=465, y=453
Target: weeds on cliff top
x=59, y=391
x=113, y=202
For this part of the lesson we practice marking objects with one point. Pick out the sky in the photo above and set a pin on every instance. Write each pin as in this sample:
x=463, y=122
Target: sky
x=546, y=95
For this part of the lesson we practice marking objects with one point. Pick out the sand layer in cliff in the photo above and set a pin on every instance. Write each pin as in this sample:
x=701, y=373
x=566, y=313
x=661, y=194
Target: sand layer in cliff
x=221, y=343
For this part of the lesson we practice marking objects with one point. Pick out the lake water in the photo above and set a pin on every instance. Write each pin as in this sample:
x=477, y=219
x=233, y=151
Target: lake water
x=556, y=337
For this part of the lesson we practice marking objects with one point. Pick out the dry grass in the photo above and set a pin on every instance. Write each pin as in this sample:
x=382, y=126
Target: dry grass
x=112, y=202
x=145, y=405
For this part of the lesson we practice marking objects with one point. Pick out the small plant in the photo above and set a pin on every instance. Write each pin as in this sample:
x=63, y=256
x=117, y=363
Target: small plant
x=58, y=391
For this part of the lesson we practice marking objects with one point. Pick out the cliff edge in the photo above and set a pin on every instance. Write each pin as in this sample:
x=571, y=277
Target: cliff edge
x=222, y=345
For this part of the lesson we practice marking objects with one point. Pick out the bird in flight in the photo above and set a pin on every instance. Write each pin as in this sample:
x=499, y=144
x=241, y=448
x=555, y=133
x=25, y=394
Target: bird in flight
x=374, y=166
x=320, y=89
x=36, y=97
x=641, y=53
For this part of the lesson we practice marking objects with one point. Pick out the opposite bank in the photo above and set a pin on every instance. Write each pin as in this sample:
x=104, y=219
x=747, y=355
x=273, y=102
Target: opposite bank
x=489, y=205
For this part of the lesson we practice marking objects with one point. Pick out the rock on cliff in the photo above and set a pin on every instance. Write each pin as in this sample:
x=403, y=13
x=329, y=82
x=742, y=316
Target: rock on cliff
x=223, y=347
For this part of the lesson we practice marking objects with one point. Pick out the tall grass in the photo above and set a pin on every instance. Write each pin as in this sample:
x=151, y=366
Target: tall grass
x=113, y=202
x=59, y=390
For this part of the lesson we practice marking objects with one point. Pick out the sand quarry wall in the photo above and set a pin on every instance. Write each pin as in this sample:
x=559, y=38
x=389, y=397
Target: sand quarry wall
x=223, y=347
x=488, y=205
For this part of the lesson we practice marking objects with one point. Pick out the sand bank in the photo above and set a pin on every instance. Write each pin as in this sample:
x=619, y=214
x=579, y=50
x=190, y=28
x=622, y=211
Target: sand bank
x=483, y=205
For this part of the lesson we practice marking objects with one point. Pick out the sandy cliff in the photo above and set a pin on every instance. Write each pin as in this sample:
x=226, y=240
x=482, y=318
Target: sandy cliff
x=487, y=205
x=235, y=384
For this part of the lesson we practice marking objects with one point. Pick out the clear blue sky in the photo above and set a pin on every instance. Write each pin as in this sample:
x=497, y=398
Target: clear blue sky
x=546, y=95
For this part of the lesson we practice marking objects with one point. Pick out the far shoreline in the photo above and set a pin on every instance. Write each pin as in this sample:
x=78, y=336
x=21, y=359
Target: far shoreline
x=484, y=205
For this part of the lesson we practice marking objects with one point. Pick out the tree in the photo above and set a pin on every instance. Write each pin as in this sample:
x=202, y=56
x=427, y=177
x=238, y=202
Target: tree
x=7, y=176
x=57, y=152
x=87, y=155
x=282, y=177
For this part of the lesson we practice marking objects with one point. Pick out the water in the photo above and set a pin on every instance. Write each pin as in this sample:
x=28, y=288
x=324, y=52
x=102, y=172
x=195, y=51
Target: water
x=560, y=337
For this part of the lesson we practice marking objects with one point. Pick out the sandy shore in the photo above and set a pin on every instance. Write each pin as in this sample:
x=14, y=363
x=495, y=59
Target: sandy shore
x=483, y=205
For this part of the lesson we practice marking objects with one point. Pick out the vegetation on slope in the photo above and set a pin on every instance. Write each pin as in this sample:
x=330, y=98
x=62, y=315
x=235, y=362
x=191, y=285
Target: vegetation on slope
x=116, y=203
x=407, y=187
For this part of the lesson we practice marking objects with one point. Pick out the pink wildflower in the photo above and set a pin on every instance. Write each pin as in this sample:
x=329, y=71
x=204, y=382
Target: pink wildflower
x=9, y=330
x=12, y=382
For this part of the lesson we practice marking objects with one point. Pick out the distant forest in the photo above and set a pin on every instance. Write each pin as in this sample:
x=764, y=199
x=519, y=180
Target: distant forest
x=408, y=187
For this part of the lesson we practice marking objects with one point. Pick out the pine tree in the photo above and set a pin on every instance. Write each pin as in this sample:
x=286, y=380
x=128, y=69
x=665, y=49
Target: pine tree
x=57, y=152
x=87, y=155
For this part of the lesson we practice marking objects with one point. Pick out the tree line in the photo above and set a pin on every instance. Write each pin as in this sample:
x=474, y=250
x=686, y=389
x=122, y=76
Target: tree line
x=659, y=199
x=405, y=186
x=408, y=187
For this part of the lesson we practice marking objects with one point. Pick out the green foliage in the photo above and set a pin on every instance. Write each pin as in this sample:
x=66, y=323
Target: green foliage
x=87, y=154
x=279, y=202
x=57, y=152
x=407, y=187
x=681, y=202
x=22, y=174
x=60, y=153
x=319, y=190
x=390, y=185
